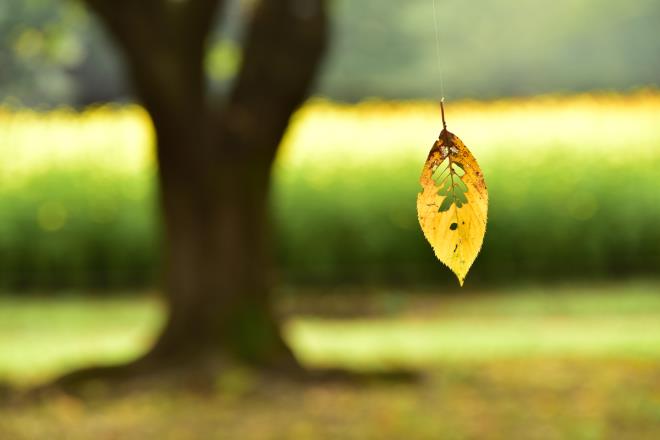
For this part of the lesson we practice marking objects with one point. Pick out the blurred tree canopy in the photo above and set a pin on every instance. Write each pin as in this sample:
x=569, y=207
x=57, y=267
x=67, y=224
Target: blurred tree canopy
x=55, y=55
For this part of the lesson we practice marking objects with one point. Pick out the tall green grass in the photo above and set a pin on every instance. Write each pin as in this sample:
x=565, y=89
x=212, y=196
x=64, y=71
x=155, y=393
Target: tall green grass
x=76, y=199
x=574, y=190
x=574, y=186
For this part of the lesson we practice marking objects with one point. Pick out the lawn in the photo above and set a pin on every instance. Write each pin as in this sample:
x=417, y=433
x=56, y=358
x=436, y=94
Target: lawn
x=42, y=337
x=530, y=362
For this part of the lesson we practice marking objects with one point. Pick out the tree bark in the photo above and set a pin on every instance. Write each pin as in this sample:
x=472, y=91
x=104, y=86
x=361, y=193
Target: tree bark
x=217, y=265
x=215, y=162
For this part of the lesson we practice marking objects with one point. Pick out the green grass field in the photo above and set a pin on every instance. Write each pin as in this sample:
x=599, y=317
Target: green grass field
x=42, y=337
x=552, y=362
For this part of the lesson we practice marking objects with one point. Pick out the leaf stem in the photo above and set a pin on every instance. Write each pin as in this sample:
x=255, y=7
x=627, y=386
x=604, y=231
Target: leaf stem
x=442, y=110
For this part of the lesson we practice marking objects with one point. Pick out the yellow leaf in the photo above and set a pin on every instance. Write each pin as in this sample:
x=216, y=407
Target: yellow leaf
x=453, y=205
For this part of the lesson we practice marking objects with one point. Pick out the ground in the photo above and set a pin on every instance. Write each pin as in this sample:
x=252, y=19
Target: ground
x=553, y=362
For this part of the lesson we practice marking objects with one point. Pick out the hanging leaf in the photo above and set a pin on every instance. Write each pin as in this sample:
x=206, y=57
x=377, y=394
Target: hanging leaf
x=453, y=205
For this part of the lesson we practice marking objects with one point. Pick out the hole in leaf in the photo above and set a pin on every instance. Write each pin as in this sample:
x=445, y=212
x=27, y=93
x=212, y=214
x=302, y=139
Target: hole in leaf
x=453, y=226
x=448, y=177
x=446, y=204
x=458, y=169
x=441, y=172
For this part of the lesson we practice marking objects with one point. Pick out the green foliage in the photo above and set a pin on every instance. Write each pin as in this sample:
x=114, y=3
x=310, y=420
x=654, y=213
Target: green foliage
x=52, y=52
x=69, y=228
x=558, y=206
x=574, y=194
x=77, y=200
x=386, y=48
x=41, y=43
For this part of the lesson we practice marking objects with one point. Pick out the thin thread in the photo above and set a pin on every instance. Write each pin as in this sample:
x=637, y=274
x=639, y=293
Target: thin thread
x=437, y=51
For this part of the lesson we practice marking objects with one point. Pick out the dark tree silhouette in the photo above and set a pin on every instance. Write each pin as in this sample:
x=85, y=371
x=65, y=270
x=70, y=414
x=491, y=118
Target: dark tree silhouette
x=215, y=160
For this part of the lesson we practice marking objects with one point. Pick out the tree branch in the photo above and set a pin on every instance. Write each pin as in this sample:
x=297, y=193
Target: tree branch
x=199, y=16
x=164, y=43
x=282, y=53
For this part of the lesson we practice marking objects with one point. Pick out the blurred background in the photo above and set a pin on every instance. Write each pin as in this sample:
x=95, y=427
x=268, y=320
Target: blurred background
x=558, y=327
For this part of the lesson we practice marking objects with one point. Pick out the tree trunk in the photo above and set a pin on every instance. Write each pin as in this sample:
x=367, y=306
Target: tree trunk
x=215, y=209
x=214, y=166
